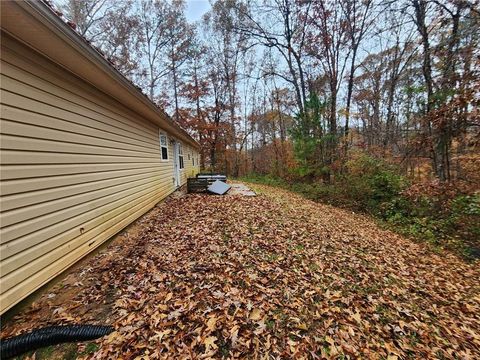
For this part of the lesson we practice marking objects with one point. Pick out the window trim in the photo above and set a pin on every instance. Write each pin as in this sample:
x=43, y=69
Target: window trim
x=181, y=163
x=160, y=134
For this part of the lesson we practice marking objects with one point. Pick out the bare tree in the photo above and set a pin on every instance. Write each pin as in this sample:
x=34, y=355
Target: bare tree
x=281, y=25
x=180, y=35
x=87, y=14
x=154, y=22
x=359, y=19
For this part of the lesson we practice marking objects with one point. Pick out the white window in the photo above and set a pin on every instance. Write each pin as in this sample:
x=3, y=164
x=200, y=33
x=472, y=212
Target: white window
x=180, y=156
x=164, y=146
x=193, y=160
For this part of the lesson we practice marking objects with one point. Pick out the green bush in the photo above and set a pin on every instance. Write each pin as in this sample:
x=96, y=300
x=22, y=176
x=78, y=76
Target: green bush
x=464, y=221
x=454, y=224
x=370, y=185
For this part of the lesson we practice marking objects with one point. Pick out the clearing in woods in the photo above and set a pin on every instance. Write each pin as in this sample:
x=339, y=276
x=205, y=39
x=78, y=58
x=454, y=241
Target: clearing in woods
x=271, y=276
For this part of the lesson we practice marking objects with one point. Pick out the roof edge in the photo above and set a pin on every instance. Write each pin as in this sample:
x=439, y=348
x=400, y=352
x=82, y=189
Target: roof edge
x=36, y=24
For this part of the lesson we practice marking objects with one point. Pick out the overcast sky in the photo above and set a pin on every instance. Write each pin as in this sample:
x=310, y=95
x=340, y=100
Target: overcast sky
x=196, y=9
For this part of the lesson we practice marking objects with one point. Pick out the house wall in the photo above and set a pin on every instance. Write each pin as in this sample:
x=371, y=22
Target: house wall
x=76, y=168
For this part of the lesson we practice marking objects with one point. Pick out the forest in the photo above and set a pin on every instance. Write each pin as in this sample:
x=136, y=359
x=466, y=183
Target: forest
x=369, y=105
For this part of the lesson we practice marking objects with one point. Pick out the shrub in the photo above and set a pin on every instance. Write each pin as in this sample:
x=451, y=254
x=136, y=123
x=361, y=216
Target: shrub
x=440, y=213
x=371, y=183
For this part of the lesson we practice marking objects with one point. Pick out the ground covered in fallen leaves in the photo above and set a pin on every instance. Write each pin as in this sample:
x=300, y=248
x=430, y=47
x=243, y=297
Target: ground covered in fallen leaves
x=266, y=277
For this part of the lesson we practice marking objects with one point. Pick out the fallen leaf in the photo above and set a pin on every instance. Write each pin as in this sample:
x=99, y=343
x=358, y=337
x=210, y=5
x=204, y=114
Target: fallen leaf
x=255, y=314
x=211, y=323
x=210, y=342
x=356, y=316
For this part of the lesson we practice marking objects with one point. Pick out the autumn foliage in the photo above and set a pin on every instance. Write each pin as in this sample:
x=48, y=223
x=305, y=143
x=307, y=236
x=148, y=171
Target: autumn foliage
x=370, y=106
x=271, y=276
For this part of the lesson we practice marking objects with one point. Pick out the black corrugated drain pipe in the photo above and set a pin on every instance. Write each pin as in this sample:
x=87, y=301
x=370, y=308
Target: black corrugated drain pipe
x=50, y=335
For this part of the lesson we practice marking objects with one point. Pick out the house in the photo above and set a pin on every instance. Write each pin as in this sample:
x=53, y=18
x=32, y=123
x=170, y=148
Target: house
x=83, y=152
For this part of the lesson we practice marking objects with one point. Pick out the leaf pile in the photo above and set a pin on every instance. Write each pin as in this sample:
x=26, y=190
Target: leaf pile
x=272, y=276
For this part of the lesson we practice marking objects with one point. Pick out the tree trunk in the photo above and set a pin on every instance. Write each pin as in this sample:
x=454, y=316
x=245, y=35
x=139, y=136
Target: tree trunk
x=420, y=7
x=175, y=91
x=349, y=97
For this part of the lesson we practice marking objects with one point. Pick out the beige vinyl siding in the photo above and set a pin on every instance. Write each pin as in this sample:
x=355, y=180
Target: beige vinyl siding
x=190, y=170
x=76, y=167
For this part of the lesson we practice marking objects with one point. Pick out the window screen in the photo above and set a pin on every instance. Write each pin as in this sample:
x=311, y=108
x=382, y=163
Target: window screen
x=180, y=156
x=164, y=146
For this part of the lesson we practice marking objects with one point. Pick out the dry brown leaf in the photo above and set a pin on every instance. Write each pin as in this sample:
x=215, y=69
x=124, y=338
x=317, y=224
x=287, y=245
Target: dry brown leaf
x=211, y=323
x=272, y=276
x=210, y=342
x=255, y=314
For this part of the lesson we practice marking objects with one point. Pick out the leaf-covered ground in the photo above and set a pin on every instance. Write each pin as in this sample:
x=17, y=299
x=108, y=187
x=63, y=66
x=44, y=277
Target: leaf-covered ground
x=272, y=276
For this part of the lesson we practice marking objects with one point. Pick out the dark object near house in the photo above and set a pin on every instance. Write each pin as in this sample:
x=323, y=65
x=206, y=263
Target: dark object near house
x=51, y=335
x=212, y=177
x=201, y=182
x=195, y=185
x=219, y=187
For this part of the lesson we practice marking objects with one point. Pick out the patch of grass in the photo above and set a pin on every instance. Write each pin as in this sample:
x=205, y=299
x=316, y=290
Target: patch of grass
x=43, y=353
x=299, y=247
x=384, y=314
x=226, y=237
x=241, y=284
x=270, y=324
x=90, y=348
x=265, y=180
x=223, y=347
x=313, y=267
x=326, y=349
x=414, y=338
x=70, y=352
x=63, y=351
x=272, y=257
